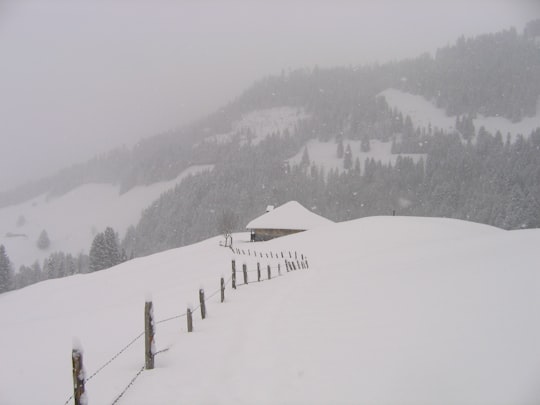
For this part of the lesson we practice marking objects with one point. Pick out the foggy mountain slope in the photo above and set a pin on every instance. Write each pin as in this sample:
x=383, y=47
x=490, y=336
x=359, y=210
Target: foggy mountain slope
x=72, y=220
x=437, y=309
x=493, y=75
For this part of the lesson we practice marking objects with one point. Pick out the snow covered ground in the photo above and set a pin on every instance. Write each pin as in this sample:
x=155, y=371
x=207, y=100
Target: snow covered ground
x=324, y=154
x=73, y=219
x=263, y=123
x=393, y=310
x=424, y=112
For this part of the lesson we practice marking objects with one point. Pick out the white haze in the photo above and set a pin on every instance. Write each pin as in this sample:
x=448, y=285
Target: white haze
x=80, y=77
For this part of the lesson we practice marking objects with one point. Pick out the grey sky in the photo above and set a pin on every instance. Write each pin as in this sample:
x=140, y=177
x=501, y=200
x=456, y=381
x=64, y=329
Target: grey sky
x=80, y=77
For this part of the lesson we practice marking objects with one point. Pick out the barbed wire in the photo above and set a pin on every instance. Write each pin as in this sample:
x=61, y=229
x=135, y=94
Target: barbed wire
x=114, y=357
x=170, y=318
x=69, y=399
x=128, y=386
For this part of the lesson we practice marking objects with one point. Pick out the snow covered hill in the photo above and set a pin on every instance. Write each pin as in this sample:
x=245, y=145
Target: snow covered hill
x=393, y=310
x=423, y=112
x=73, y=219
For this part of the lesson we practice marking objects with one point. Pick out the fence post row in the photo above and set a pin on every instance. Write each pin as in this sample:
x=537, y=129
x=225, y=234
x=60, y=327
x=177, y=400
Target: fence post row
x=78, y=376
x=234, y=274
x=148, y=335
x=149, y=327
x=203, y=305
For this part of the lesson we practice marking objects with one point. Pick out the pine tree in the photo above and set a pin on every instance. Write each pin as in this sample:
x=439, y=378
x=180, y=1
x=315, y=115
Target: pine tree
x=97, y=253
x=105, y=250
x=347, y=159
x=43, y=241
x=305, y=158
x=340, y=149
x=5, y=271
x=112, y=247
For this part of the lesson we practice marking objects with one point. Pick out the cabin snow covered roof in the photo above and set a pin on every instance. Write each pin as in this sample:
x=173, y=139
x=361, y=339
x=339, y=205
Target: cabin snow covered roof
x=290, y=215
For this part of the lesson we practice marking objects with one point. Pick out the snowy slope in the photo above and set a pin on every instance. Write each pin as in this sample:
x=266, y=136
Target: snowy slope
x=324, y=154
x=73, y=219
x=423, y=112
x=263, y=123
x=393, y=310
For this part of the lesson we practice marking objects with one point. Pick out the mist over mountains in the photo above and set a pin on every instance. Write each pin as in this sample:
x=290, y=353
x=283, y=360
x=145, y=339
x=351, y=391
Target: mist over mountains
x=461, y=172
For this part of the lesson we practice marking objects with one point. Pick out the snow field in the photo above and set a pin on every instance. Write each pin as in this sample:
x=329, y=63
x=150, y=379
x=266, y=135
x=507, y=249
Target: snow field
x=324, y=154
x=263, y=123
x=423, y=112
x=393, y=310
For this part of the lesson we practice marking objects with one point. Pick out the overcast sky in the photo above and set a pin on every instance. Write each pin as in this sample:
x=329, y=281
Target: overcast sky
x=78, y=78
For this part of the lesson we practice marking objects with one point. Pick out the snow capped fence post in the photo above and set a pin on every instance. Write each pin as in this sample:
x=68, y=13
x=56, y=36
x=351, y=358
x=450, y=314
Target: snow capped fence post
x=234, y=274
x=189, y=320
x=78, y=375
x=268, y=268
x=258, y=271
x=222, y=281
x=244, y=270
x=203, y=305
x=148, y=335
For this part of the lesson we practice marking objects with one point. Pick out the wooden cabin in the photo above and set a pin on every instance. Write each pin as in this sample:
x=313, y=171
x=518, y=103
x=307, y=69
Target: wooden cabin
x=284, y=220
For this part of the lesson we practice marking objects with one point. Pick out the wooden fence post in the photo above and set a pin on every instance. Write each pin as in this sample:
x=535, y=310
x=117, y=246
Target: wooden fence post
x=189, y=320
x=269, y=272
x=78, y=376
x=244, y=270
x=234, y=274
x=222, y=282
x=148, y=335
x=258, y=271
x=203, y=305
x=295, y=255
x=279, y=269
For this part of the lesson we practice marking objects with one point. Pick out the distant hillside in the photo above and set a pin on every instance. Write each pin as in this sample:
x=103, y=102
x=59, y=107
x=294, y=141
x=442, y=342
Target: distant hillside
x=258, y=141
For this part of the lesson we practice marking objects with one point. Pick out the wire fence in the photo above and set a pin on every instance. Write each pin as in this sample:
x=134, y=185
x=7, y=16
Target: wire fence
x=259, y=269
